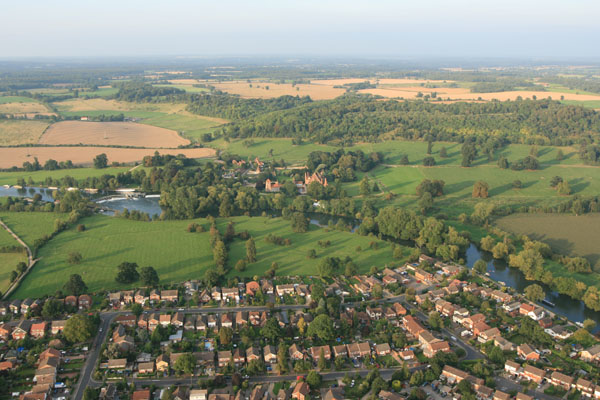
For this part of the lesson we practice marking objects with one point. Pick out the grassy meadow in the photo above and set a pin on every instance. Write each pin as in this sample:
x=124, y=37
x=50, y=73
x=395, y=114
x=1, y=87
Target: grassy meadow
x=10, y=178
x=8, y=262
x=30, y=226
x=178, y=255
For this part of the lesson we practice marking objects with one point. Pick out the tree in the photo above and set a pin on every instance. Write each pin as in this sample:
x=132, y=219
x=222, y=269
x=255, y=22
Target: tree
x=534, y=292
x=500, y=251
x=517, y=184
x=225, y=335
x=52, y=309
x=435, y=320
x=480, y=190
x=563, y=188
x=555, y=180
x=404, y=160
x=560, y=155
x=425, y=202
x=496, y=355
x=185, y=364
x=149, y=276
x=271, y=330
x=313, y=378
x=589, y=324
x=91, y=394
x=240, y=265
x=364, y=188
x=251, y=250
x=428, y=161
x=322, y=364
x=137, y=309
x=101, y=161
x=443, y=152
x=74, y=257
x=301, y=325
x=127, y=273
x=299, y=222
x=469, y=153
x=480, y=266
x=487, y=243
x=429, y=146
x=503, y=163
x=79, y=328
x=322, y=327
x=75, y=285
x=220, y=256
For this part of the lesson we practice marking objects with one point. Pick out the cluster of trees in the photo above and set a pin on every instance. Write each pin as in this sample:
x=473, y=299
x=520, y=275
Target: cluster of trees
x=143, y=93
x=358, y=117
x=128, y=273
x=49, y=165
x=343, y=164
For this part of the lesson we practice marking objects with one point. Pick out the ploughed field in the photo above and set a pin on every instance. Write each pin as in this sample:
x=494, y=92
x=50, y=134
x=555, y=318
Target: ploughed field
x=566, y=234
x=111, y=134
x=178, y=255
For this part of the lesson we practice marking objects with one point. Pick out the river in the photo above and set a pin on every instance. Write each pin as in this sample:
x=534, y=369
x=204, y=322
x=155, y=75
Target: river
x=574, y=310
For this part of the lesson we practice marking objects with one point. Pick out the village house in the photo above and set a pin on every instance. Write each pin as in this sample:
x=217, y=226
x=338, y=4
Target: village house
x=488, y=335
x=505, y=345
x=21, y=330
x=399, y=309
x=471, y=321
x=224, y=357
x=266, y=286
x=407, y=355
x=253, y=353
x=270, y=354
x=204, y=296
x=164, y=319
x=117, y=363
x=146, y=367
x=85, y=302
x=57, y=326
x=230, y=294
x=153, y=321
x=383, y=349
x=169, y=295
x=141, y=395
x=140, y=297
x=239, y=357
x=374, y=312
x=559, y=332
x=523, y=396
x=285, y=289
x=359, y=350
x=15, y=306
x=198, y=394
x=128, y=320
x=591, y=354
x=301, y=391
x=295, y=352
x=562, y=380
x=423, y=276
x=460, y=315
x=162, y=363
x=412, y=326
x=431, y=349
x=114, y=299
x=38, y=330
x=71, y=301
x=498, y=395
x=128, y=296
x=340, y=351
x=190, y=323
x=512, y=307
x=154, y=296
x=252, y=288
x=5, y=331
x=178, y=319
x=585, y=387
x=315, y=352
x=526, y=352
x=512, y=367
x=226, y=320
x=533, y=374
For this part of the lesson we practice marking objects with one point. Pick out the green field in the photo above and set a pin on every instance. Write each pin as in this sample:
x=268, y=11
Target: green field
x=10, y=178
x=101, y=92
x=8, y=262
x=187, y=88
x=588, y=103
x=30, y=226
x=566, y=234
x=178, y=255
x=16, y=99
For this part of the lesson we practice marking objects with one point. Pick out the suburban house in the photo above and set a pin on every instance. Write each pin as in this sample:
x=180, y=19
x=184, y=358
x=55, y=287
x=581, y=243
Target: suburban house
x=527, y=352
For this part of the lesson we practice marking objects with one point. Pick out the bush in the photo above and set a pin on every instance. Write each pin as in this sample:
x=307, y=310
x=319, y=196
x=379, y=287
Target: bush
x=80, y=228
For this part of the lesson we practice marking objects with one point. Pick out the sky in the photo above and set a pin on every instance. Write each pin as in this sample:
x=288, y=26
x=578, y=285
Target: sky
x=371, y=28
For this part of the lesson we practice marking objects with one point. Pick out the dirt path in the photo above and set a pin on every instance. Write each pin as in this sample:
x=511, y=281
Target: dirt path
x=30, y=261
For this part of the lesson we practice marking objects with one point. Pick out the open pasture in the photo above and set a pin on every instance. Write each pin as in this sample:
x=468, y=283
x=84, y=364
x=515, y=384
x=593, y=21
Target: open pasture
x=566, y=234
x=178, y=255
x=11, y=178
x=16, y=132
x=111, y=134
x=83, y=155
x=30, y=226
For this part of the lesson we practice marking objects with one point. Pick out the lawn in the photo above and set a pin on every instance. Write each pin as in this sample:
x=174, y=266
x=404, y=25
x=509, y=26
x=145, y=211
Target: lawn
x=566, y=234
x=10, y=178
x=30, y=226
x=8, y=262
x=178, y=255
x=6, y=238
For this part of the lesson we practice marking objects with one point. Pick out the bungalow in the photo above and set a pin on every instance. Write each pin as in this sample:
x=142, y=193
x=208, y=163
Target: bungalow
x=511, y=307
x=114, y=299
x=117, y=363
x=533, y=374
x=266, y=286
x=591, y=354
x=295, y=353
x=141, y=395
x=178, y=319
x=501, y=296
x=253, y=353
x=526, y=308
x=226, y=320
x=190, y=323
x=504, y=344
x=498, y=395
x=562, y=380
x=400, y=310
x=239, y=357
x=340, y=351
x=315, y=352
x=198, y=394
x=285, y=289
x=527, y=352
x=585, y=387
x=270, y=354
x=154, y=296
x=140, y=297
x=57, y=326
x=146, y=367
x=204, y=296
x=85, y=302
x=407, y=355
x=128, y=296
x=301, y=391
x=383, y=349
x=128, y=320
x=231, y=294
x=374, y=312
x=38, y=330
x=169, y=295
x=558, y=332
x=162, y=363
x=512, y=367
x=216, y=293
x=212, y=321
x=359, y=350
x=224, y=357
x=164, y=319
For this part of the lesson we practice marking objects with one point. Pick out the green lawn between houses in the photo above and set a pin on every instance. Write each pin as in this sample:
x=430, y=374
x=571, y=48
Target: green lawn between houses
x=178, y=255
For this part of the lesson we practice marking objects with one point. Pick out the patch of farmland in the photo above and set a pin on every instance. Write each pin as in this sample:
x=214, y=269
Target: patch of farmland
x=111, y=134
x=15, y=132
x=83, y=155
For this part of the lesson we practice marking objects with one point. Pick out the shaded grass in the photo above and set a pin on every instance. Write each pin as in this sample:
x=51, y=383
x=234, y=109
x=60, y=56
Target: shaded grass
x=30, y=226
x=10, y=178
x=178, y=255
x=8, y=262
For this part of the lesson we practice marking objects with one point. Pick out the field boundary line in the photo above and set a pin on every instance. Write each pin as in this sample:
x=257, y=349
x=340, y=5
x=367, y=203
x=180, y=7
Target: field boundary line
x=31, y=261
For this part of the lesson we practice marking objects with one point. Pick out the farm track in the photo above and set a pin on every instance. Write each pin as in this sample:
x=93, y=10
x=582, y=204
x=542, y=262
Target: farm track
x=30, y=261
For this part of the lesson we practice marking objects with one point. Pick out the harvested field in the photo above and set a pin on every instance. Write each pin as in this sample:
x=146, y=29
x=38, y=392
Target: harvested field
x=27, y=107
x=15, y=132
x=566, y=234
x=259, y=90
x=85, y=154
x=81, y=104
x=111, y=134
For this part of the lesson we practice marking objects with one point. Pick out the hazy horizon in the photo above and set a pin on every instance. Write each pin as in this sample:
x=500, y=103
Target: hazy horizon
x=379, y=29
